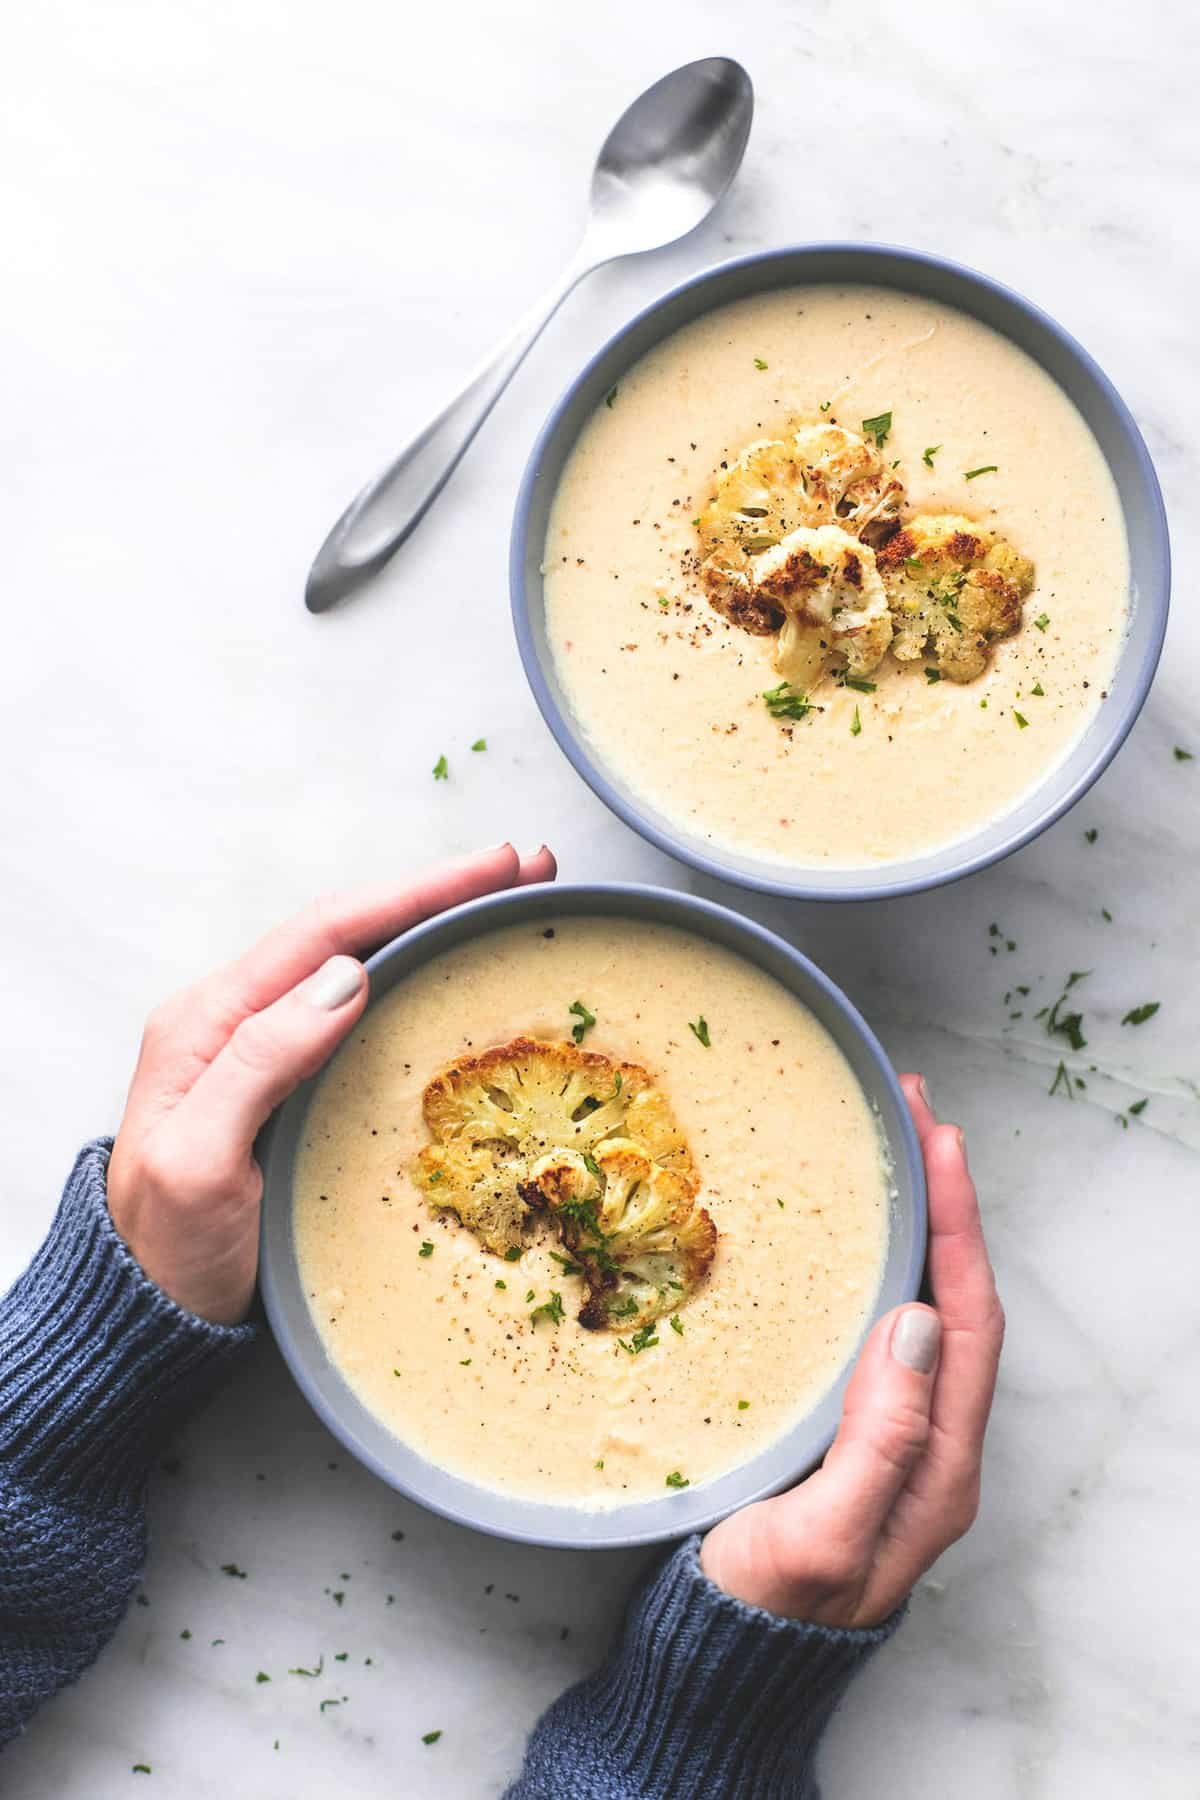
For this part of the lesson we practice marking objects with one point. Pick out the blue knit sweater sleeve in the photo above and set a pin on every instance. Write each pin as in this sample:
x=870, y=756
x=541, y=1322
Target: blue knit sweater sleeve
x=96, y=1367
x=701, y=1696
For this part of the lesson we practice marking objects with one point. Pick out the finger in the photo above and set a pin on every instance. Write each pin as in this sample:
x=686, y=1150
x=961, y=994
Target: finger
x=964, y=1292
x=268, y=1054
x=919, y=1105
x=541, y=866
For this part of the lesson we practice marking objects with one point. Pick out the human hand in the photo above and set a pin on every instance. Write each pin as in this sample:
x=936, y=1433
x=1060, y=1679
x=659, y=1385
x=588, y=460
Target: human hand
x=901, y=1480
x=216, y=1059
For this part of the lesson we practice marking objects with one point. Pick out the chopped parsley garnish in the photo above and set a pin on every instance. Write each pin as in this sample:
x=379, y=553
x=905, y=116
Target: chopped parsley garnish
x=529, y=1296
x=1091, y=834
x=858, y=684
x=441, y=769
x=141, y=1769
x=1039, y=690
x=599, y=1464
x=465, y=1363
x=742, y=1405
x=699, y=1030
x=551, y=1309
x=787, y=702
x=1139, y=1106
x=779, y=1203
x=261, y=1677
x=644, y=1338
x=983, y=469
x=479, y=744
x=855, y=724
x=426, y=1248
x=913, y=562
x=677, y=1324
x=233, y=1570
x=1183, y=755
x=610, y=396
x=1022, y=721
x=591, y=1165
x=1062, y=1082
x=759, y=363
x=878, y=428
x=310, y=1672
x=1139, y=1014
x=663, y=602
x=929, y=454
x=586, y=1020
x=514, y=1253
x=932, y=675
x=622, y=1309
x=825, y=405
x=502, y=1284
x=326, y=1703
x=1042, y=620
x=676, y=1480
x=565, y=1264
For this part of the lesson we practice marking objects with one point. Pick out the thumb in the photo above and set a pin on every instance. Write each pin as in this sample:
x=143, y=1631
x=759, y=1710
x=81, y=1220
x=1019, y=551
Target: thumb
x=270, y=1053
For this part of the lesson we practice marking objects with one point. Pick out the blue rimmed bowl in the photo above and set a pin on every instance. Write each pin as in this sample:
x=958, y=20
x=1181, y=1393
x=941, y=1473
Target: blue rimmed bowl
x=1075, y=372
x=542, y=1522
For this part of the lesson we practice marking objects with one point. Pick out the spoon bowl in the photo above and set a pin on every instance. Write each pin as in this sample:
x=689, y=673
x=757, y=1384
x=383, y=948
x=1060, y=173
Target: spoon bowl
x=666, y=163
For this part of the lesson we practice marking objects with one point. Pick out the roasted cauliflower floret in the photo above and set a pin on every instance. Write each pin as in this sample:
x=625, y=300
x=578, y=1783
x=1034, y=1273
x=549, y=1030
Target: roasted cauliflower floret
x=954, y=587
x=589, y=1143
x=822, y=475
x=641, y=1242
x=833, y=603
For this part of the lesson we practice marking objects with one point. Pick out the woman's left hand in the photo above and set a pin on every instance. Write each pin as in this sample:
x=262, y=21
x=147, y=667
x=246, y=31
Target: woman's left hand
x=216, y=1059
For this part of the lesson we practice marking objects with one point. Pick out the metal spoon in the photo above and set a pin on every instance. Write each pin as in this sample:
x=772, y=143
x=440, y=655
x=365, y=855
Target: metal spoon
x=662, y=169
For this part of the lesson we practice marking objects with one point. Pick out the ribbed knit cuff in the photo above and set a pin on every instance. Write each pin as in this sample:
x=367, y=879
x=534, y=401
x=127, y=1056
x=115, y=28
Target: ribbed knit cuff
x=703, y=1695
x=96, y=1363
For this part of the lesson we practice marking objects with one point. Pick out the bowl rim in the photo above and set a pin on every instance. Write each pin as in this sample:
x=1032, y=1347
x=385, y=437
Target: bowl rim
x=556, y=1525
x=866, y=883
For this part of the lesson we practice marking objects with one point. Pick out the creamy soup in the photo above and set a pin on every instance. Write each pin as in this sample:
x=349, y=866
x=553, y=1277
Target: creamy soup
x=670, y=694
x=435, y=1334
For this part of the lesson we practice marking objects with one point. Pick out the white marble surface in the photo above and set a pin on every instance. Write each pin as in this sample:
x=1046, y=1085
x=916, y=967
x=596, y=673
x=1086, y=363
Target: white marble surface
x=247, y=247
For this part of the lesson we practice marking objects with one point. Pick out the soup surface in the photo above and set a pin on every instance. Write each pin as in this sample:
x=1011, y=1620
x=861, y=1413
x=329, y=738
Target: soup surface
x=436, y=1335
x=669, y=693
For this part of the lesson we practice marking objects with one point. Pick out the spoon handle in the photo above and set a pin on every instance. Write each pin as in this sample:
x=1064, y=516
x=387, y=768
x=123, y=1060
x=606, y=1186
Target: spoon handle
x=390, y=508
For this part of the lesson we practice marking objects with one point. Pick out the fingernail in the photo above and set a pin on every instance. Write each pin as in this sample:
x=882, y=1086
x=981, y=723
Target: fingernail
x=962, y=1146
x=334, y=983
x=923, y=1090
x=917, y=1338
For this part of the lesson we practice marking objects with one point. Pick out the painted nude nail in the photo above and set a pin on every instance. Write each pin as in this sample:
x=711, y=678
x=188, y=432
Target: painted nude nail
x=916, y=1339
x=334, y=983
x=923, y=1090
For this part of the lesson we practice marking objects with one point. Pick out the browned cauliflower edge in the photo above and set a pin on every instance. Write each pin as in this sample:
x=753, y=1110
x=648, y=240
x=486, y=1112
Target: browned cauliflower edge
x=532, y=1128
x=955, y=588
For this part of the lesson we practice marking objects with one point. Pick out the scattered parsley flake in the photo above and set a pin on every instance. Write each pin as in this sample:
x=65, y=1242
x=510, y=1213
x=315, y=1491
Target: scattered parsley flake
x=599, y=1464
x=426, y=1248
x=1062, y=1082
x=779, y=1203
x=1022, y=721
x=502, y=1284
x=1039, y=690
x=787, y=702
x=479, y=744
x=465, y=1363
x=644, y=1338
x=514, y=1253
x=586, y=1020
x=1042, y=620
x=551, y=1309
x=932, y=675
x=1183, y=755
x=855, y=724
x=743, y=1405
x=232, y=1569
x=699, y=1030
x=1106, y=915
x=1139, y=1106
x=759, y=363
x=1091, y=834
x=441, y=769
x=310, y=1672
x=677, y=1324
x=326, y=1703
x=929, y=454
x=825, y=405
x=676, y=1480
x=663, y=602
x=878, y=428
x=1139, y=1014
x=858, y=684
x=141, y=1769
x=610, y=396
x=983, y=469
x=261, y=1677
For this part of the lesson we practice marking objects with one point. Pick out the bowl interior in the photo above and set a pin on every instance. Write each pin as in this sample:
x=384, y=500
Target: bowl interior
x=1074, y=371
x=676, y=1513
